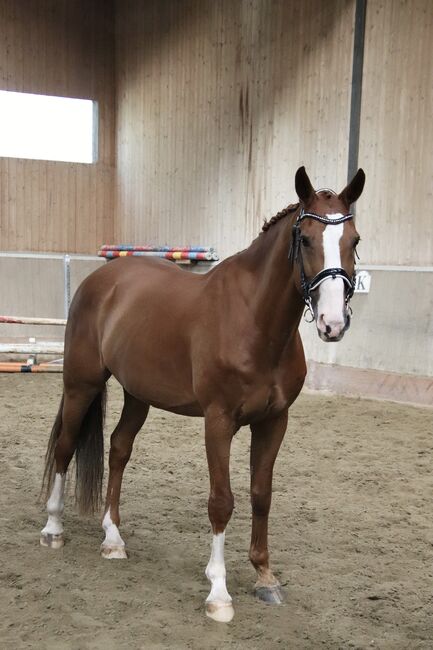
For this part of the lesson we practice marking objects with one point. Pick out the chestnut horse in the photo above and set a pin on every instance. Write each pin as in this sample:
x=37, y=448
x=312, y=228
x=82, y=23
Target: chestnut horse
x=224, y=346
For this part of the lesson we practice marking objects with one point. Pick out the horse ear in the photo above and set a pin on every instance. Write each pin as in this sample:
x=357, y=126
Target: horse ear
x=353, y=190
x=303, y=186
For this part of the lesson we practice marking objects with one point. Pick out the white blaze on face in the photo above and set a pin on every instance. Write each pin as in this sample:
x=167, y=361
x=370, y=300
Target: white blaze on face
x=331, y=305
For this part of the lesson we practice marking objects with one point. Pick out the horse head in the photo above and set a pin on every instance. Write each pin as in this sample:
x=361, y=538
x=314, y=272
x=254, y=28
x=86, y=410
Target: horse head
x=324, y=248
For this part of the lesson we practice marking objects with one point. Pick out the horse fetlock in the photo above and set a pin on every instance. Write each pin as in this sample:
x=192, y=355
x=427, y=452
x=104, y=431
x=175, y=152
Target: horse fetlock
x=53, y=526
x=52, y=533
x=265, y=578
x=215, y=572
x=259, y=559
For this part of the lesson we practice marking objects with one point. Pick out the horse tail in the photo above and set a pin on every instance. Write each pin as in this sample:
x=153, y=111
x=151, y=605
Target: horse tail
x=89, y=456
x=50, y=461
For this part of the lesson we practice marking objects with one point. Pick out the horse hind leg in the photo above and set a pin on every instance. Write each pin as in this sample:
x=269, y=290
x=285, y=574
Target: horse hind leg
x=133, y=416
x=78, y=406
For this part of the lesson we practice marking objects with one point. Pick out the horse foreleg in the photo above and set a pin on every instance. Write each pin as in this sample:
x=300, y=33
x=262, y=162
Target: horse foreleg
x=219, y=434
x=266, y=438
x=134, y=414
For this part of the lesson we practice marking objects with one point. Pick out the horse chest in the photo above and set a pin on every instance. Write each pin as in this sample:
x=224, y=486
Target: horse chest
x=255, y=387
x=262, y=401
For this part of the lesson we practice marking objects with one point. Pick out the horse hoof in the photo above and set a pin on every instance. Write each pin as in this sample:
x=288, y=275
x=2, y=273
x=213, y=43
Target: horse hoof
x=221, y=612
x=52, y=541
x=270, y=595
x=113, y=552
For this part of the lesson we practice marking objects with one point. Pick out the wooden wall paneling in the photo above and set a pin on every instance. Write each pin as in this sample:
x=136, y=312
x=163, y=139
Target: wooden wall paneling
x=64, y=48
x=397, y=134
x=217, y=105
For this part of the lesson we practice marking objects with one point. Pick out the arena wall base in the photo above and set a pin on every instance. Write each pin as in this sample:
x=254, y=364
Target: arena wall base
x=370, y=384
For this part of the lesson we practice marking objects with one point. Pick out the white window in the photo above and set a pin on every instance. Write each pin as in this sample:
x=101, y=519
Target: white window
x=44, y=127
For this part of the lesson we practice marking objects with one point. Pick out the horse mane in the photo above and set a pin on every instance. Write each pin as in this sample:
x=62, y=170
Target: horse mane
x=290, y=208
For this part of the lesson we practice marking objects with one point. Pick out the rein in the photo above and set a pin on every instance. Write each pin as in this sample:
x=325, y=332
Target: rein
x=309, y=285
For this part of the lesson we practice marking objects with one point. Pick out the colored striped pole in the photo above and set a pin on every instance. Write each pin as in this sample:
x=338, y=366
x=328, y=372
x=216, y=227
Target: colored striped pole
x=171, y=255
x=162, y=249
x=10, y=366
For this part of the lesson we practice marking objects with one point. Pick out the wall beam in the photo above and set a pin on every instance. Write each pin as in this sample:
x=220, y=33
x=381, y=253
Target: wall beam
x=356, y=95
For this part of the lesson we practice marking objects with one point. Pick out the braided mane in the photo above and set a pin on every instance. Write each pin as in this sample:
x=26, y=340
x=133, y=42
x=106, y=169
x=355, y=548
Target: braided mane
x=280, y=215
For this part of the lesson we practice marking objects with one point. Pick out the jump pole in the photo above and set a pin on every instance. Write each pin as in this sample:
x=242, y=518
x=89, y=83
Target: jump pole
x=43, y=347
x=24, y=368
x=26, y=320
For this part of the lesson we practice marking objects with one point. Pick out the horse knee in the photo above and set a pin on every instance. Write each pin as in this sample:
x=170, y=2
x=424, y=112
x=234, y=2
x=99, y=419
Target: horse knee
x=260, y=502
x=220, y=508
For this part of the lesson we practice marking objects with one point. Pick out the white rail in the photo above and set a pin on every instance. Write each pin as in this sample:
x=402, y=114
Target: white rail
x=42, y=347
x=29, y=320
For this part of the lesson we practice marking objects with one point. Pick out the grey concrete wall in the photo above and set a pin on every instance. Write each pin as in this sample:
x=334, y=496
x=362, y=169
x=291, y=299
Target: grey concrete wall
x=392, y=327
x=34, y=286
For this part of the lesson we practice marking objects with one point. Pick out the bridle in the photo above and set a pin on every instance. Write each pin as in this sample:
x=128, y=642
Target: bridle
x=309, y=285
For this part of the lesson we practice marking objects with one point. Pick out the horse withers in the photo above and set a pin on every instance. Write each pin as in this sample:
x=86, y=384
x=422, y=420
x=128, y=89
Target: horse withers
x=224, y=346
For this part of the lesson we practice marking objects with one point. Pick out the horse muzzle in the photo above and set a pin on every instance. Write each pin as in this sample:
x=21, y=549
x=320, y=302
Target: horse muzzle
x=332, y=331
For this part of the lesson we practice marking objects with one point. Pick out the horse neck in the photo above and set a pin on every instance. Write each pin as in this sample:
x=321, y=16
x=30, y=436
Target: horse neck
x=270, y=289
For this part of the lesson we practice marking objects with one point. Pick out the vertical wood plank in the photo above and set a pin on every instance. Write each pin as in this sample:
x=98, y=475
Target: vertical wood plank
x=218, y=104
x=396, y=142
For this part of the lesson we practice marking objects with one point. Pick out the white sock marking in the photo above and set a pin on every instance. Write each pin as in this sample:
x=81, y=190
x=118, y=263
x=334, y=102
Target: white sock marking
x=216, y=572
x=55, y=505
x=112, y=535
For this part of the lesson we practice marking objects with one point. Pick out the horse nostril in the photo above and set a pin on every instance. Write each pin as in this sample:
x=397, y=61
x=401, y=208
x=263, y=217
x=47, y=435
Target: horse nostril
x=328, y=329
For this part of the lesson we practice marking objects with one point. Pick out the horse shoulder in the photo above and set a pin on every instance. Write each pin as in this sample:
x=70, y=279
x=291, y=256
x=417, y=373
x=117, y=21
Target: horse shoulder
x=292, y=369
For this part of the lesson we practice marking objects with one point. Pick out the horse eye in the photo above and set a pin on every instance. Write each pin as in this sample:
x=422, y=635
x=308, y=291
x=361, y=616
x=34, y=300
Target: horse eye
x=305, y=241
x=356, y=242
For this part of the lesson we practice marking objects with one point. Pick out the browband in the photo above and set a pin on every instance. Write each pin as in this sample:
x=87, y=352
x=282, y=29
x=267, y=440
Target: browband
x=319, y=217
